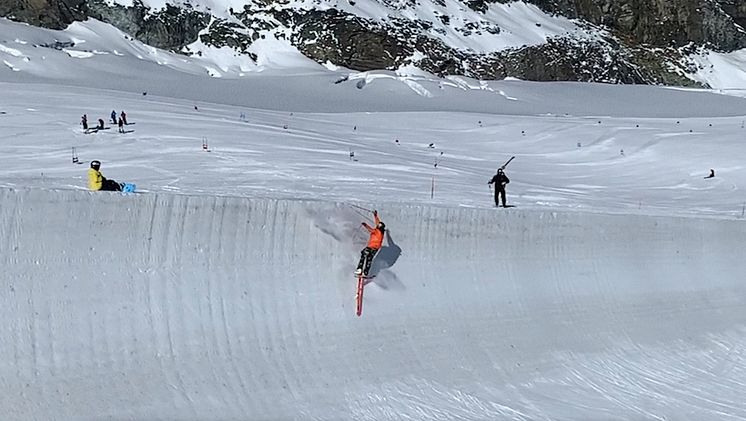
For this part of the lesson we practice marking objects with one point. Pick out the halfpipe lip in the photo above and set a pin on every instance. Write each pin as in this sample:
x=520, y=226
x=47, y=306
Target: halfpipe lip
x=528, y=210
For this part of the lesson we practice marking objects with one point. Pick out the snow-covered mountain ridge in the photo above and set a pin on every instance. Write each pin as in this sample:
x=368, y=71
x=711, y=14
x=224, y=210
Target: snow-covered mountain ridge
x=629, y=41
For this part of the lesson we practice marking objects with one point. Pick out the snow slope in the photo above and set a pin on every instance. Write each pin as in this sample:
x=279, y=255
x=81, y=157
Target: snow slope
x=165, y=306
x=613, y=290
x=619, y=163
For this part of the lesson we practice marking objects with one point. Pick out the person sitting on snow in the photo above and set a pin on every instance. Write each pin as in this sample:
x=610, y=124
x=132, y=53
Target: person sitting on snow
x=97, y=182
x=374, y=244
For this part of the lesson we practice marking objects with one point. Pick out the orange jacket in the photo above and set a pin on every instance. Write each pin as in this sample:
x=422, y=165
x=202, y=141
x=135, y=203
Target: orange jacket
x=376, y=236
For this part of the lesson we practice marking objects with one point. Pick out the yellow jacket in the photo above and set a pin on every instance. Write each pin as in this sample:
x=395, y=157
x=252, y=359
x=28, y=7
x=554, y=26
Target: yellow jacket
x=95, y=179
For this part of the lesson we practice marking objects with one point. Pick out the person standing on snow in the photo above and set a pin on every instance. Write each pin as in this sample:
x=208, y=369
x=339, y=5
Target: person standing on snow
x=113, y=117
x=97, y=182
x=124, y=116
x=499, y=180
x=121, y=125
x=374, y=244
x=84, y=122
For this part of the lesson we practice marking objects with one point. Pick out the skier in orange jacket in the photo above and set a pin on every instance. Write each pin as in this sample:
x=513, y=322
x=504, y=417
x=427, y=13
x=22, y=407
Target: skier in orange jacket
x=374, y=244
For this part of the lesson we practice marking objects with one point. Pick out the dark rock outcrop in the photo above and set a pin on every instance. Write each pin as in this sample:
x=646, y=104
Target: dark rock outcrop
x=635, y=41
x=661, y=23
x=170, y=28
x=54, y=14
x=342, y=38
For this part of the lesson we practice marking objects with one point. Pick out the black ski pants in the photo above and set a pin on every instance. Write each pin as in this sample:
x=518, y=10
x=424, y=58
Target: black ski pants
x=499, y=193
x=366, y=258
x=110, y=185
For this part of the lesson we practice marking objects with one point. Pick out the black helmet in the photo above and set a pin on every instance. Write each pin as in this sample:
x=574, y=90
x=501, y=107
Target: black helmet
x=381, y=226
x=95, y=165
x=499, y=170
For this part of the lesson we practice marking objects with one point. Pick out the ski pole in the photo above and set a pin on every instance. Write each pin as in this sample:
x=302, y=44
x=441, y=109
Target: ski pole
x=359, y=207
x=437, y=161
x=359, y=213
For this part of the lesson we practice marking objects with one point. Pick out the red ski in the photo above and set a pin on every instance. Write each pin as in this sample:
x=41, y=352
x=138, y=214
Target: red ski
x=359, y=295
x=361, y=281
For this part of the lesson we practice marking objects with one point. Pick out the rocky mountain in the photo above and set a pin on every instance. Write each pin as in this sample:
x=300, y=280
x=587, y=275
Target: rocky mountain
x=612, y=41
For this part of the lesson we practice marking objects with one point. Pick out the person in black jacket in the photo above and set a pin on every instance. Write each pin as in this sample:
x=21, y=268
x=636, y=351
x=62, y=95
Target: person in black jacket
x=499, y=180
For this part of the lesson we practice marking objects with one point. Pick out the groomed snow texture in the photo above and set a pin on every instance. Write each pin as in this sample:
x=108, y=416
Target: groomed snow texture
x=163, y=306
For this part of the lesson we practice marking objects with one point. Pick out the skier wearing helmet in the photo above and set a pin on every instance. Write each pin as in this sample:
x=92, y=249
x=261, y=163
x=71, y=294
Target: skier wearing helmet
x=374, y=244
x=96, y=181
x=499, y=180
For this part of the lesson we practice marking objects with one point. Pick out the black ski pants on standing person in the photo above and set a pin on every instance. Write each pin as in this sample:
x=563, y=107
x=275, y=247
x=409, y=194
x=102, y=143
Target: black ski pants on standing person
x=366, y=258
x=499, y=193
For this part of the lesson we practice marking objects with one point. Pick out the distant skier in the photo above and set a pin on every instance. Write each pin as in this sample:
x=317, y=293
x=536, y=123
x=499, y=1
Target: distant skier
x=124, y=116
x=100, y=124
x=84, y=122
x=97, y=182
x=499, y=180
x=113, y=117
x=712, y=174
x=121, y=125
x=374, y=244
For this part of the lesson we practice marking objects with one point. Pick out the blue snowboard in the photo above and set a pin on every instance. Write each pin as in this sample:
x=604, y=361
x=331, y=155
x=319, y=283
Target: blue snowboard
x=128, y=188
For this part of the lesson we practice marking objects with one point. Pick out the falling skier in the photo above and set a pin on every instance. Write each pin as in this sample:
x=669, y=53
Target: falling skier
x=499, y=180
x=374, y=244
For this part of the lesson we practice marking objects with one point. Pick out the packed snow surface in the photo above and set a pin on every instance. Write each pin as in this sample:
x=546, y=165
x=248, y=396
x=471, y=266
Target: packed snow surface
x=224, y=289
